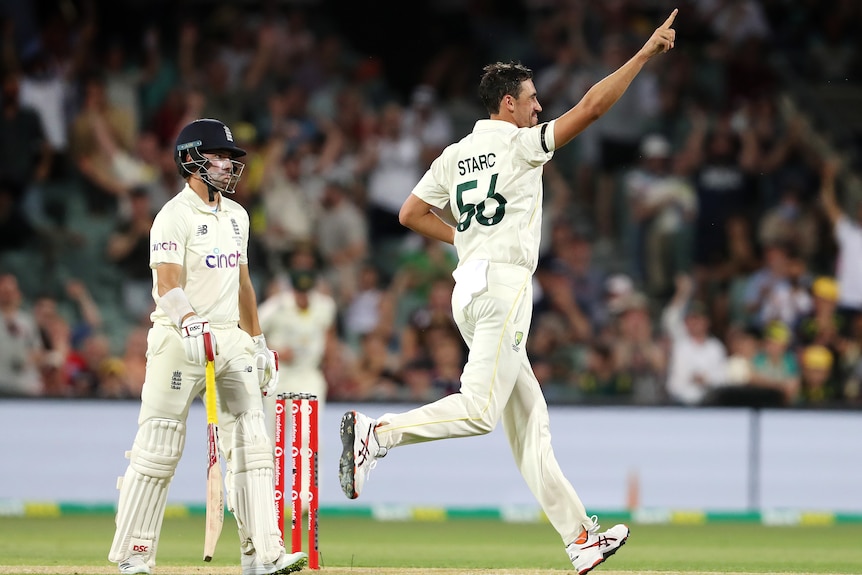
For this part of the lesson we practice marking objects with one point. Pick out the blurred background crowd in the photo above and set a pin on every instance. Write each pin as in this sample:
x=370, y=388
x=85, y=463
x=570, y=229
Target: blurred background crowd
x=702, y=240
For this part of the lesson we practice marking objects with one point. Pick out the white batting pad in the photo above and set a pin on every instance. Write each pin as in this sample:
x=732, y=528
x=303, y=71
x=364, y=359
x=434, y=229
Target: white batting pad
x=144, y=488
x=251, y=494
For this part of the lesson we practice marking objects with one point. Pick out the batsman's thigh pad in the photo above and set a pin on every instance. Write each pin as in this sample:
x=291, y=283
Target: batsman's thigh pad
x=144, y=488
x=251, y=497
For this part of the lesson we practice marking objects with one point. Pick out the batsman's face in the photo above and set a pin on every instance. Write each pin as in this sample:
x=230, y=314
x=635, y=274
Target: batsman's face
x=526, y=106
x=221, y=166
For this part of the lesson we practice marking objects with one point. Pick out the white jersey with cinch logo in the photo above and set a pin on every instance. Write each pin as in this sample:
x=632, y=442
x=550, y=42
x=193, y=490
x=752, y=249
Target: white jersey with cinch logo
x=210, y=246
x=492, y=180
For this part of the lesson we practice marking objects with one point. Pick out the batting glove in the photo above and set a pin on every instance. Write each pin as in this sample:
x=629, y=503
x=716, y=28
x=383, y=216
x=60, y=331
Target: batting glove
x=199, y=341
x=266, y=361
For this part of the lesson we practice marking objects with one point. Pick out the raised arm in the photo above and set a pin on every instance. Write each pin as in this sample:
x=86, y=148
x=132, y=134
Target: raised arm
x=828, y=198
x=604, y=94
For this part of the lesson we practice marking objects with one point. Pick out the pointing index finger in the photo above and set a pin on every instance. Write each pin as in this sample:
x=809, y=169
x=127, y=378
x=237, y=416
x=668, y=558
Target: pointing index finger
x=669, y=21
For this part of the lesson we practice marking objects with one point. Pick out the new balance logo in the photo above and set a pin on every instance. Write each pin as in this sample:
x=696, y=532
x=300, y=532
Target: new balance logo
x=202, y=230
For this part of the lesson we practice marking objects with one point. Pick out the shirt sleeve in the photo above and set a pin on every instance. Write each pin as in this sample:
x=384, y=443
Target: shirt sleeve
x=168, y=237
x=536, y=145
x=844, y=229
x=433, y=188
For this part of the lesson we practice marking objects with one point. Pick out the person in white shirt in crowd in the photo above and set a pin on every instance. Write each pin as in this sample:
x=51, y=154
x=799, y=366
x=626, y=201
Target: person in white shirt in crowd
x=698, y=359
x=21, y=347
x=428, y=121
x=848, y=236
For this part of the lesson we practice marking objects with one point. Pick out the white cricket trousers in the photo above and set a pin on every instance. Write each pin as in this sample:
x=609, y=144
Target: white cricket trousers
x=498, y=383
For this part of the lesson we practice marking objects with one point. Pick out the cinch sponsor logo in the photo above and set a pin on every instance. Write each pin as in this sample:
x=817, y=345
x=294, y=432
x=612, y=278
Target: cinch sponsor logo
x=217, y=260
x=164, y=247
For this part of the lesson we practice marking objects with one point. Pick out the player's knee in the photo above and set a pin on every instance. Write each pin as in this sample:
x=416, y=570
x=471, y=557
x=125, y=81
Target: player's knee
x=483, y=424
x=158, y=447
x=251, y=448
x=483, y=419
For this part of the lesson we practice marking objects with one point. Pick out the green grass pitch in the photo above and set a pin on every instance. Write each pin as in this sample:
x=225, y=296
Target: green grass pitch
x=79, y=544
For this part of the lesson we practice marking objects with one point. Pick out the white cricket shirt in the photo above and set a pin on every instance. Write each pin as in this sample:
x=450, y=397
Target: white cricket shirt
x=492, y=180
x=210, y=247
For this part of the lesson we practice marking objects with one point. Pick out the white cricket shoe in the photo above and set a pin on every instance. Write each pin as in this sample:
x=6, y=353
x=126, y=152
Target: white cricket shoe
x=286, y=563
x=134, y=564
x=359, y=453
x=591, y=547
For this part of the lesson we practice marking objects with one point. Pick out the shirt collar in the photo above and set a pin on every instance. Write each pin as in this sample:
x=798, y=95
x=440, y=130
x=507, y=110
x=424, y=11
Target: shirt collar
x=488, y=124
x=199, y=204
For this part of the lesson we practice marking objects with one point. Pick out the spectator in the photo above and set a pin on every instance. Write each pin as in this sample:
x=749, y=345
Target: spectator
x=823, y=325
x=392, y=164
x=555, y=358
x=447, y=356
x=571, y=255
x=102, y=136
x=60, y=360
x=661, y=206
x=20, y=345
x=288, y=213
x=341, y=236
x=370, y=309
x=790, y=223
x=602, y=379
x=775, y=367
x=848, y=236
x=375, y=372
x=817, y=386
x=777, y=291
x=724, y=284
x=26, y=165
x=743, y=344
x=637, y=352
x=97, y=373
x=418, y=383
x=428, y=121
x=698, y=360
x=428, y=323
x=721, y=160
x=89, y=316
x=129, y=249
x=558, y=299
x=135, y=360
x=16, y=232
x=113, y=380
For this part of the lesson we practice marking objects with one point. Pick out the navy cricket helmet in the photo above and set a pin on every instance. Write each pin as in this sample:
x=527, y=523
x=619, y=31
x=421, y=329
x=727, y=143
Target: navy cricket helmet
x=207, y=135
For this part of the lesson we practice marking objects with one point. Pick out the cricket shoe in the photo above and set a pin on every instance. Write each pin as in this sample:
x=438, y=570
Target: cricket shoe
x=359, y=453
x=134, y=564
x=591, y=547
x=286, y=563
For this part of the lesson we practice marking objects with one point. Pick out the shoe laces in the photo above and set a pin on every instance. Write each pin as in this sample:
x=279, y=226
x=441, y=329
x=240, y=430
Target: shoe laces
x=366, y=454
x=594, y=528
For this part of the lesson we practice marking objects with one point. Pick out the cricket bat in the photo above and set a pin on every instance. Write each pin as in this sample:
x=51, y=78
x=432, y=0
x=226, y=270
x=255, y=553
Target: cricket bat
x=215, y=494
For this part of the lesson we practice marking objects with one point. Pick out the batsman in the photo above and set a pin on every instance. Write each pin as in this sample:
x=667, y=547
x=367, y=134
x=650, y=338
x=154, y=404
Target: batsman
x=206, y=311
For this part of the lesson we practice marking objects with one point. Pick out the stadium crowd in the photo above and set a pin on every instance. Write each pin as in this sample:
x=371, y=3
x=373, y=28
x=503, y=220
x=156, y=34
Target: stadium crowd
x=699, y=246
